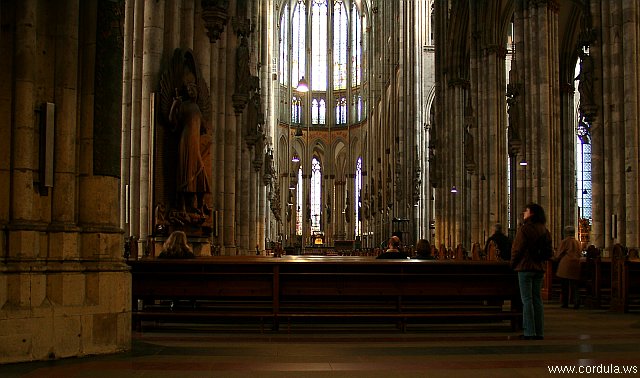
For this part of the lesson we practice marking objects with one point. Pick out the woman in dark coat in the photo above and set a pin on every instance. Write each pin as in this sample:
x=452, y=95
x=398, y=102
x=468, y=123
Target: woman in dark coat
x=531, y=270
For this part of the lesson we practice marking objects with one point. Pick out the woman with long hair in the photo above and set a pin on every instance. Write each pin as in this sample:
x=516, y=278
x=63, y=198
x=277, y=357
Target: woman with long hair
x=531, y=235
x=177, y=247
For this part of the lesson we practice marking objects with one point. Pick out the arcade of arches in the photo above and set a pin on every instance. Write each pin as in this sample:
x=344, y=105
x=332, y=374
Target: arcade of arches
x=122, y=120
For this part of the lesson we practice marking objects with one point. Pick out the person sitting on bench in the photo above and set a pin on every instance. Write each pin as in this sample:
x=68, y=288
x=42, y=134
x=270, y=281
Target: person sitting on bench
x=393, y=251
x=176, y=247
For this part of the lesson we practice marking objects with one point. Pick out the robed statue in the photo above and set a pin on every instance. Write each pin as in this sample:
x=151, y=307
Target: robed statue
x=185, y=107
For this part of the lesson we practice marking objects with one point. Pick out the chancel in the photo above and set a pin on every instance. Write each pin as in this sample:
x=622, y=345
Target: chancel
x=290, y=141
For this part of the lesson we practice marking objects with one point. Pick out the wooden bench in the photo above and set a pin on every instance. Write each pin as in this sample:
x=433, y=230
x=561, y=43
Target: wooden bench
x=625, y=280
x=349, y=289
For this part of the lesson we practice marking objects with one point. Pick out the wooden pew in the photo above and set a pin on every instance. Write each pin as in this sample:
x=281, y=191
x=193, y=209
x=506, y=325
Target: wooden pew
x=596, y=278
x=492, y=251
x=345, y=288
x=476, y=251
x=625, y=280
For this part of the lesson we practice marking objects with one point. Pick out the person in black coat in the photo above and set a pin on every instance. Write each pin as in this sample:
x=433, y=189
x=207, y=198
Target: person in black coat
x=502, y=242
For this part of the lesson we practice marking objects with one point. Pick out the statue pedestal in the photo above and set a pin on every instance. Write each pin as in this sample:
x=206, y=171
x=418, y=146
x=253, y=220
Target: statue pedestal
x=201, y=246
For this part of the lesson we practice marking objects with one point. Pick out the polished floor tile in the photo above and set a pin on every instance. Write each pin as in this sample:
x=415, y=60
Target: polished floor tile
x=585, y=339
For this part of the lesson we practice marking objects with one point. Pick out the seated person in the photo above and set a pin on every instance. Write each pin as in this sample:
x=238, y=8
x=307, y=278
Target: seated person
x=393, y=251
x=423, y=250
x=176, y=247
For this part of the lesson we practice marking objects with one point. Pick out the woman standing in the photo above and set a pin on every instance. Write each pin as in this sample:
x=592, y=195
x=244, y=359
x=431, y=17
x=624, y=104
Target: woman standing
x=568, y=257
x=531, y=234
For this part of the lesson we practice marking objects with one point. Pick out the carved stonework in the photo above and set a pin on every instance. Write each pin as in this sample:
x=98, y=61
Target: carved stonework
x=270, y=170
x=275, y=201
x=214, y=14
x=242, y=26
x=259, y=144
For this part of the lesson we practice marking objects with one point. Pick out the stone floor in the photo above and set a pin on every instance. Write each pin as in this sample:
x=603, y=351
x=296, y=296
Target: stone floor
x=596, y=341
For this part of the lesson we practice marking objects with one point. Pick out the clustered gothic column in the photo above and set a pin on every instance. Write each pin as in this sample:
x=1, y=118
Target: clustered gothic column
x=487, y=126
x=536, y=38
x=615, y=128
x=64, y=262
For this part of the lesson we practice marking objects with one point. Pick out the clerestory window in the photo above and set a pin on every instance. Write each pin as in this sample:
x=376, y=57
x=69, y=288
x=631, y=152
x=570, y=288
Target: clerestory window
x=322, y=42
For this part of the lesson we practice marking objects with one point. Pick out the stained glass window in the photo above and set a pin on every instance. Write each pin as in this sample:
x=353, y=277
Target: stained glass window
x=298, y=42
x=340, y=26
x=296, y=110
x=316, y=193
x=358, y=197
x=284, y=57
x=341, y=111
x=299, y=203
x=318, y=111
x=319, y=12
x=356, y=47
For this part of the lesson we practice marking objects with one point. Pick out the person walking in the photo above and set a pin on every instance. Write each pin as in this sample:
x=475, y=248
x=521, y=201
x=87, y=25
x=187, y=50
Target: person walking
x=531, y=236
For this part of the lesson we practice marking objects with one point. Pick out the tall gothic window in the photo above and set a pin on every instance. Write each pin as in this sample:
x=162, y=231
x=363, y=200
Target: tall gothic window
x=298, y=41
x=356, y=48
x=358, y=197
x=583, y=168
x=341, y=111
x=284, y=57
x=322, y=41
x=296, y=110
x=340, y=45
x=316, y=194
x=318, y=110
x=299, y=203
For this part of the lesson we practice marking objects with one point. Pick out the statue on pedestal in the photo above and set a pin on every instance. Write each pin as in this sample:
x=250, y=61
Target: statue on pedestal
x=184, y=105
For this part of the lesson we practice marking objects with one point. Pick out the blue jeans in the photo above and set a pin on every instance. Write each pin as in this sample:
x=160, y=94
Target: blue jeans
x=532, y=308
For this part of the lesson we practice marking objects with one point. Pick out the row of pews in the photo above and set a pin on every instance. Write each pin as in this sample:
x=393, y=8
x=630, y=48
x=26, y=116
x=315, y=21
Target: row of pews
x=612, y=282
x=298, y=289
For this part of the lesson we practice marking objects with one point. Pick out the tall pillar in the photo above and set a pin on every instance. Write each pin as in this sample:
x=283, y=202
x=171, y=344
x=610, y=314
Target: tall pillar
x=21, y=237
x=230, y=159
x=125, y=157
x=537, y=48
x=152, y=57
x=136, y=110
x=64, y=198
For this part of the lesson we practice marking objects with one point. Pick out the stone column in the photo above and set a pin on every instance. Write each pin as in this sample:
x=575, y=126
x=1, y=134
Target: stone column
x=340, y=201
x=125, y=144
x=6, y=104
x=537, y=47
x=100, y=132
x=242, y=183
x=631, y=94
x=172, y=26
x=152, y=57
x=230, y=159
x=136, y=110
x=66, y=65
x=191, y=20
x=568, y=213
x=22, y=236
